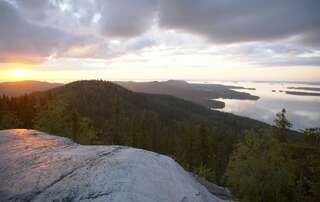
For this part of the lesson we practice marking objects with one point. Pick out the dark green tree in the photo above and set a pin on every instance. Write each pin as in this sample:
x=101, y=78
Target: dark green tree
x=9, y=120
x=312, y=136
x=282, y=125
x=259, y=169
x=55, y=118
x=306, y=161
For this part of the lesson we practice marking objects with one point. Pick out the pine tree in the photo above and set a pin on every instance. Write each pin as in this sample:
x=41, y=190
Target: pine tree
x=282, y=125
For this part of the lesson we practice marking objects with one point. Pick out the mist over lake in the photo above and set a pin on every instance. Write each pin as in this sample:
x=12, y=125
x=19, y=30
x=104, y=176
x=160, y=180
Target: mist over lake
x=302, y=110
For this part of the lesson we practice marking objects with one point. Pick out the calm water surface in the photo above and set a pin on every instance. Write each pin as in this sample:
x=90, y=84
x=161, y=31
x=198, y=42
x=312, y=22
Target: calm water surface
x=302, y=111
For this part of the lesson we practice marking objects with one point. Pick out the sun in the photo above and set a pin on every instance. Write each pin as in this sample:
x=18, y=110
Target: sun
x=20, y=74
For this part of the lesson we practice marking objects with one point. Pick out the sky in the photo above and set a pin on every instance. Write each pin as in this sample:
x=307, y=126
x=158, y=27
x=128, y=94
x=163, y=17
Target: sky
x=66, y=40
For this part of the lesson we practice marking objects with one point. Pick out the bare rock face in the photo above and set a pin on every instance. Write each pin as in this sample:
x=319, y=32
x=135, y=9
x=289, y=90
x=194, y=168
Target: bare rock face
x=38, y=167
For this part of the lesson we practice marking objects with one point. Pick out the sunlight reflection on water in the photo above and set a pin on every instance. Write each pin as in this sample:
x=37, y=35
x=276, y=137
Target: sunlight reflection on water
x=302, y=111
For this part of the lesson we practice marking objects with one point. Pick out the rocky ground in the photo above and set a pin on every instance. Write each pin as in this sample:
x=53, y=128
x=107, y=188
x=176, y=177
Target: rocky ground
x=35, y=166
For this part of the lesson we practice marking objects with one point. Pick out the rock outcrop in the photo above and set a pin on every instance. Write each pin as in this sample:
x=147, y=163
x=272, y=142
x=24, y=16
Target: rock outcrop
x=35, y=166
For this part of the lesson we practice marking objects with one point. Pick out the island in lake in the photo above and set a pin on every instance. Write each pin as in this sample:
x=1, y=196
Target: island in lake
x=305, y=88
x=301, y=93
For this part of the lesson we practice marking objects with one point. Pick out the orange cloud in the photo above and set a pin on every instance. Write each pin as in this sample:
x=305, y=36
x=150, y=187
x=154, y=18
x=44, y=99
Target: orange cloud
x=82, y=51
x=10, y=59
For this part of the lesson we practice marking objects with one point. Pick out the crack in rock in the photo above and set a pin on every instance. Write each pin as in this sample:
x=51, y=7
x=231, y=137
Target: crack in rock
x=96, y=195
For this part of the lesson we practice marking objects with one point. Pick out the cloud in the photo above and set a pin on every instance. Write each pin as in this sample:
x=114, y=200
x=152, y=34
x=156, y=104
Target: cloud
x=226, y=21
x=269, y=32
x=275, y=54
x=29, y=7
x=231, y=21
x=72, y=16
x=22, y=41
x=310, y=39
x=126, y=18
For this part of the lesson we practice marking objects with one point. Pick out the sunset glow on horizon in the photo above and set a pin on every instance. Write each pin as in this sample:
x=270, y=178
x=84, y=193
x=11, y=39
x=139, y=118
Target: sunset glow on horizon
x=20, y=74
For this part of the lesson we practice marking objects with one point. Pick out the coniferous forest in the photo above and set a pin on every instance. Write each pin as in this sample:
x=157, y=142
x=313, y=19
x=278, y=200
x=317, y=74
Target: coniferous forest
x=256, y=161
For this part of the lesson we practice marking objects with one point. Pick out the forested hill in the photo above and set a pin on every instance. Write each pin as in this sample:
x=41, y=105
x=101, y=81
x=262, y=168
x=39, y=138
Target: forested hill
x=100, y=112
x=100, y=100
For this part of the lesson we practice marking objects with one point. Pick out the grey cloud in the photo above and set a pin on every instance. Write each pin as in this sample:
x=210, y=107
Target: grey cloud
x=26, y=42
x=310, y=39
x=117, y=18
x=37, y=28
x=276, y=54
x=126, y=18
x=73, y=16
x=35, y=9
x=229, y=21
x=221, y=21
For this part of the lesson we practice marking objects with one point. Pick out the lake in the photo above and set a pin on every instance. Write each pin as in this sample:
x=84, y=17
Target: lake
x=302, y=111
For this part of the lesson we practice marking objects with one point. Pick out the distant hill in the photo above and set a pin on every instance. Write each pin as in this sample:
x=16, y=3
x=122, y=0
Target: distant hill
x=202, y=94
x=24, y=87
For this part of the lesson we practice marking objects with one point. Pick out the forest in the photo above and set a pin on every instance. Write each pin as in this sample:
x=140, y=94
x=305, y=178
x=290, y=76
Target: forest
x=256, y=161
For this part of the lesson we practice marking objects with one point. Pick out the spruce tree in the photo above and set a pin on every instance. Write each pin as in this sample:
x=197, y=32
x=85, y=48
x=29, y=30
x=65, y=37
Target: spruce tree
x=282, y=125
